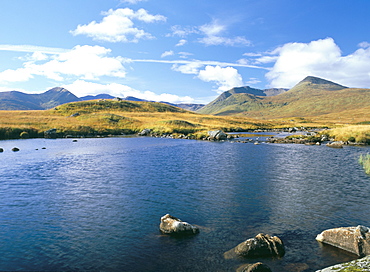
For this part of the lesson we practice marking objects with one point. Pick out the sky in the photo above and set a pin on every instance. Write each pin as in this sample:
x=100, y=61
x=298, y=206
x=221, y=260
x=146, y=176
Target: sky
x=181, y=51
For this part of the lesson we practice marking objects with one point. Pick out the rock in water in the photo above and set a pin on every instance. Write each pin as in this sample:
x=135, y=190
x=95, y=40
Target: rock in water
x=352, y=239
x=257, y=267
x=172, y=225
x=263, y=245
x=217, y=135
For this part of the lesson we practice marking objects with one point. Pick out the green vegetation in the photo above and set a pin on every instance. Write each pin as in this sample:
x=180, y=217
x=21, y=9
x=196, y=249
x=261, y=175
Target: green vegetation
x=364, y=160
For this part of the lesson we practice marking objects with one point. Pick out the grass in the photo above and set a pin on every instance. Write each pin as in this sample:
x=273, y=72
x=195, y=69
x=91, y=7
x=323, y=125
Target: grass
x=92, y=118
x=105, y=117
x=364, y=160
x=351, y=133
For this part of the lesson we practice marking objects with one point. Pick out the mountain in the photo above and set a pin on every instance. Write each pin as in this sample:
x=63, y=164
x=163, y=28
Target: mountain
x=14, y=100
x=310, y=97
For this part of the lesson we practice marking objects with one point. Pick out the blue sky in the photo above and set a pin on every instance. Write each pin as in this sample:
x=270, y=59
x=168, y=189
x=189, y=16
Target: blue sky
x=181, y=51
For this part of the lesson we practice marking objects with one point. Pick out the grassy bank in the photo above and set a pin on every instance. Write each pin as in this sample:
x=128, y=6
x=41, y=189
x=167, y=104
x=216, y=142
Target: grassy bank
x=92, y=118
x=351, y=133
x=108, y=117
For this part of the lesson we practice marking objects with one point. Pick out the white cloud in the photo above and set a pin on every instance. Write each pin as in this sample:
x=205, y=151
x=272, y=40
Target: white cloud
x=364, y=44
x=225, y=78
x=321, y=58
x=82, y=88
x=86, y=62
x=18, y=75
x=189, y=68
x=181, y=42
x=118, y=26
x=167, y=53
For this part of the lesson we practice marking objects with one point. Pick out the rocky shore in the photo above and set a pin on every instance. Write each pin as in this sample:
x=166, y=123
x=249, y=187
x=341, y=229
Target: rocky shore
x=352, y=239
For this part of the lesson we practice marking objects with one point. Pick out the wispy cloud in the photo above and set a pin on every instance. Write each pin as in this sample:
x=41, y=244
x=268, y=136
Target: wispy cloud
x=32, y=49
x=213, y=33
x=118, y=26
x=167, y=53
x=132, y=2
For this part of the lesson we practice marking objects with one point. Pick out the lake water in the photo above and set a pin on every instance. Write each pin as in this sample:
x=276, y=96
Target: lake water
x=96, y=204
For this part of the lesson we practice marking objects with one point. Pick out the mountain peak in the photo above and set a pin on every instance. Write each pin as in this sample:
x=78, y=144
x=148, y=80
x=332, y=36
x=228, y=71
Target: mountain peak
x=320, y=81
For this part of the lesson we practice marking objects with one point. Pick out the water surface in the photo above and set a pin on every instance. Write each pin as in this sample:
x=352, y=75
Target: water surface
x=96, y=204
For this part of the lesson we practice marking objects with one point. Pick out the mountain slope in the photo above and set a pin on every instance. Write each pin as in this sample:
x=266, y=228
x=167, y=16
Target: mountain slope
x=311, y=97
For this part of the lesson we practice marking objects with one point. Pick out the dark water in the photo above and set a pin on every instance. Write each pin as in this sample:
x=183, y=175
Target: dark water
x=95, y=204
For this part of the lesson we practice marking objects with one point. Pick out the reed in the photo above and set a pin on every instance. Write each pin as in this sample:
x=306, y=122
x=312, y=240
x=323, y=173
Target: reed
x=364, y=160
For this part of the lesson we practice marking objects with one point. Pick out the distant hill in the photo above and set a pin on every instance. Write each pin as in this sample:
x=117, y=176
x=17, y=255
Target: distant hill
x=20, y=101
x=15, y=100
x=93, y=97
x=311, y=97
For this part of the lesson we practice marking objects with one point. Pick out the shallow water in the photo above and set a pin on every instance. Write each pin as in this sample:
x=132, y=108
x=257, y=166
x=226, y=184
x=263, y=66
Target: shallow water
x=95, y=204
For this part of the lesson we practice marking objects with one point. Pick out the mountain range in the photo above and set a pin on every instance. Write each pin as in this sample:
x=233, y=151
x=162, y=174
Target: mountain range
x=312, y=96
x=15, y=100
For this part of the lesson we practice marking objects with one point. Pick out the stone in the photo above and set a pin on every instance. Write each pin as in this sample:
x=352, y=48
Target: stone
x=1, y=149
x=335, y=144
x=144, y=132
x=15, y=149
x=256, y=267
x=217, y=135
x=263, y=245
x=353, y=239
x=51, y=133
x=172, y=225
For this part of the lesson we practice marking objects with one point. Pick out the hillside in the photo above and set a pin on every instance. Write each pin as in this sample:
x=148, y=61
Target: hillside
x=312, y=97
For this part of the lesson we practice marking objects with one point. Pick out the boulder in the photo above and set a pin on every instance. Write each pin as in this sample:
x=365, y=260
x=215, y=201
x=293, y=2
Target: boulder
x=352, y=239
x=15, y=149
x=217, y=135
x=51, y=133
x=1, y=149
x=257, y=267
x=144, y=132
x=263, y=245
x=172, y=225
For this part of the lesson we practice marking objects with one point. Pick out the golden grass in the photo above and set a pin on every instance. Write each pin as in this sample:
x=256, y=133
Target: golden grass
x=353, y=133
x=112, y=117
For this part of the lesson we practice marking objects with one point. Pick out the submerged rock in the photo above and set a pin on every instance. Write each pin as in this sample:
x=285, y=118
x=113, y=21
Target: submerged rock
x=256, y=267
x=172, y=225
x=352, y=239
x=263, y=245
